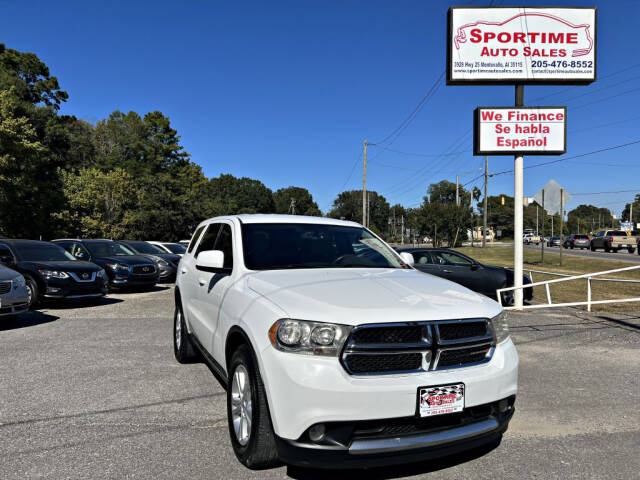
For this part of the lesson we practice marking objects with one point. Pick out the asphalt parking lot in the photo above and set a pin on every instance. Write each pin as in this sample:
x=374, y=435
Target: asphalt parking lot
x=95, y=392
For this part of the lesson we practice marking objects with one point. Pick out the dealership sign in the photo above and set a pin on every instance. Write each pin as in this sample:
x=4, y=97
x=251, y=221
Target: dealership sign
x=521, y=45
x=520, y=130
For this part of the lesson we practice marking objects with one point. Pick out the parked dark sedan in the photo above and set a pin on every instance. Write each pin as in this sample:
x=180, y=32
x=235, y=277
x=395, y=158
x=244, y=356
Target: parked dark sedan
x=167, y=262
x=459, y=268
x=50, y=272
x=124, y=268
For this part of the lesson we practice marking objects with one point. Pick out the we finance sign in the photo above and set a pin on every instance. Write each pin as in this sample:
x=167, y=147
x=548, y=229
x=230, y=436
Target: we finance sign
x=524, y=45
x=520, y=130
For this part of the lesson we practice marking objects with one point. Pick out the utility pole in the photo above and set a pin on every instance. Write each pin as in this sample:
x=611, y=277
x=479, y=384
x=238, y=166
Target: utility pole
x=402, y=242
x=518, y=253
x=368, y=208
x=457, y=190
x=484, y=208
x=364, y=186
x=292, y=207
x=561, y=222
x=544, y=217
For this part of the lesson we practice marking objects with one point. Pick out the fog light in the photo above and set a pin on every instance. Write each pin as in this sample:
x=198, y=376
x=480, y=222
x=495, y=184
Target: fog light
x=316, y=433
x=503, y=406
x=52, y=290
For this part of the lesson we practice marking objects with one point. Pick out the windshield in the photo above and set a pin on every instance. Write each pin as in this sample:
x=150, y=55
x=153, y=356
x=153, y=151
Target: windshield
x=42, y=252
x=175, y=248
x=144, y=247
x=108, y=249
x=274, y=246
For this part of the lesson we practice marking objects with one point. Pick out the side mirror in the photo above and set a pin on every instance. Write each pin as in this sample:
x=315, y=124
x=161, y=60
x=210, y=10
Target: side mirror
x=475, y=266
x=81, y=255
x=210, y=260
x=6, y=259
x=407, y=258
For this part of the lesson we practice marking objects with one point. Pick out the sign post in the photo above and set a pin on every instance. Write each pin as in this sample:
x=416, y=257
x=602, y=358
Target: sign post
x=518, y=46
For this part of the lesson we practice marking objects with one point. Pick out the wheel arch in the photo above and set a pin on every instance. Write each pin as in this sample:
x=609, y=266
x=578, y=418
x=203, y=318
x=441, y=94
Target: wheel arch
x=235, y=338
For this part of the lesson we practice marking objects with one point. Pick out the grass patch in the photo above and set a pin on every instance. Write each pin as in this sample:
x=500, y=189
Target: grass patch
x=574, y=290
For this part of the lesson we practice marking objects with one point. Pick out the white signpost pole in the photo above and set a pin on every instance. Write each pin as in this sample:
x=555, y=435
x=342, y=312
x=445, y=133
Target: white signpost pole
x=518, y=191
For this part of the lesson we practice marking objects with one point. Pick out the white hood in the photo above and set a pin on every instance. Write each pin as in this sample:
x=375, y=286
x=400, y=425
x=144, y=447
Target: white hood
x=356, y=296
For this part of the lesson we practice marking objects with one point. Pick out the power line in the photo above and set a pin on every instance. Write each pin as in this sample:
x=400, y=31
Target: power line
x=429, y=155
x=606, y=98
x=602, y=193
x=351, y=172
x=571, y=158
x=405, y=123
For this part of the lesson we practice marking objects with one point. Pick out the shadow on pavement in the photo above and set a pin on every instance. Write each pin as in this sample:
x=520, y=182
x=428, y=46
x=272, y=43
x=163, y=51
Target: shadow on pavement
x=394, y=471
x=155, y=288
x=28, y=319
x=64, y=304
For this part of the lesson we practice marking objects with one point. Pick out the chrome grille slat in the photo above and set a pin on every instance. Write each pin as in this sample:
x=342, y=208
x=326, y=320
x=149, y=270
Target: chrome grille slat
x=5, y=287
x=443, y=344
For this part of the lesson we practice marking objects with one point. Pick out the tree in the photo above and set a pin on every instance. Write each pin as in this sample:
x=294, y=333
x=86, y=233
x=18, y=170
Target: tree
x=636, y=211
x=304, y=204
x=588, y=218
x=348, y=205
x=99, y=203
x=228, y=195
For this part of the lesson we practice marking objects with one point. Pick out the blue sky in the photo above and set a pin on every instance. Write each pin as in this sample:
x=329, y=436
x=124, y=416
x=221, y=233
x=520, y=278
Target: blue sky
x=286, y=91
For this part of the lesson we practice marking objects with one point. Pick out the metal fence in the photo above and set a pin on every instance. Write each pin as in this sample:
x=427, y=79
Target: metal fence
x=590, y=277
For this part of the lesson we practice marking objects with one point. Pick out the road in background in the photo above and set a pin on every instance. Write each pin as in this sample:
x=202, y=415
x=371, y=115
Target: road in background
x=622, y=255
x=96, y=393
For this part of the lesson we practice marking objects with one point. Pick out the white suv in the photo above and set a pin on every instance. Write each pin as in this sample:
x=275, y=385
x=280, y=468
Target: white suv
x=333, y=350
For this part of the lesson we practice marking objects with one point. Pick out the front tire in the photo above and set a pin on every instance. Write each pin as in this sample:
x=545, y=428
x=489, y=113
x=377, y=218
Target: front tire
x=33, y=292
x=182, y=347
x=250, y=427
x=631, y=250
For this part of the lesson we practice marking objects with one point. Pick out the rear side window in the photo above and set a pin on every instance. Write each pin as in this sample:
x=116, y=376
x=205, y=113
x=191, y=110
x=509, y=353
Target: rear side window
x=194, y=239
x=618, y=233
x=208, y=241
x=421, y=258
x=225, y=243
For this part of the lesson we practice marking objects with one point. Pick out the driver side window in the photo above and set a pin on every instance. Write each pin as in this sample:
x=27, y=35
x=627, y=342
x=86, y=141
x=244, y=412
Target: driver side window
x=450, y=258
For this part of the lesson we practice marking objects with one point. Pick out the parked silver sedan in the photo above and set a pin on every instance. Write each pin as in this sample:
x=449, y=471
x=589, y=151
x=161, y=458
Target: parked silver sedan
x=14, y=297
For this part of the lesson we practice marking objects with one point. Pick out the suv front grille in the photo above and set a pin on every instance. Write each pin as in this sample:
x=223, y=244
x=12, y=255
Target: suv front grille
x=144, y=270
x=407, y=347
x=5, y=287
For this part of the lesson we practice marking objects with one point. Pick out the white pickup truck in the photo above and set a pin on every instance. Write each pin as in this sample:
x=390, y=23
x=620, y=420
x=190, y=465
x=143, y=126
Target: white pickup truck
x=334, y=351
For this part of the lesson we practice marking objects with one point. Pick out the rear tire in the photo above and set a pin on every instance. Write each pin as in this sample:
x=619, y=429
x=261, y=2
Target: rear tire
x=607, y=248
x=507, y=297
x=255, y=445
x=593, y=249
x=183, y=349
x=631, y=250
x=614, y=250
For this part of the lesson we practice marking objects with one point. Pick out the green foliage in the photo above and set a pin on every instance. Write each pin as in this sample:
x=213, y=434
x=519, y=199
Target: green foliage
x=304, y=204
x=348, y=205
x=588, y=218
x=98, y=203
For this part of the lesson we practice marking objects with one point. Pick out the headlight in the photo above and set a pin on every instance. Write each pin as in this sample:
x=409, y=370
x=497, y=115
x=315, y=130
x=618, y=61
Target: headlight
x=308, y=338
x=18, y=282
x=117, y=266
x=47, y=274
x=500, y=326
x=161, y=262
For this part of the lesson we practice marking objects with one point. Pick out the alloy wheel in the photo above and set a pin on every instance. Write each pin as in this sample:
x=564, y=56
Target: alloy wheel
x=178, y=329
x=241, y=408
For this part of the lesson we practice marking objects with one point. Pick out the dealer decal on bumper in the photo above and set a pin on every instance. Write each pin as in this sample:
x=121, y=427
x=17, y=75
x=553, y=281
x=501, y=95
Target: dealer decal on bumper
x=440, y=400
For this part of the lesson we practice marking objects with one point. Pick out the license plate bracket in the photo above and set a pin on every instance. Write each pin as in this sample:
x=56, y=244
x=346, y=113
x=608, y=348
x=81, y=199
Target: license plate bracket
x=440, y=399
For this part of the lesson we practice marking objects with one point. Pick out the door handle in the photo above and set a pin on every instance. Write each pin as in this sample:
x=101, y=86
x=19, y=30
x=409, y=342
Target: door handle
x=446, y=271
x=184, y=270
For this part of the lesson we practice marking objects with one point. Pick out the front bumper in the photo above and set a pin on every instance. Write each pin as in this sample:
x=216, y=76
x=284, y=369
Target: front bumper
x=359, y=445
x=72, y=289
x=168, y=274
x=306, y=390
x=132, y=281
x=14, y=303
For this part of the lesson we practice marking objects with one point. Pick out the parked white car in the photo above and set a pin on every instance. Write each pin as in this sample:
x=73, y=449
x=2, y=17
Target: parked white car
x=170, y=247
x=334, y=351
